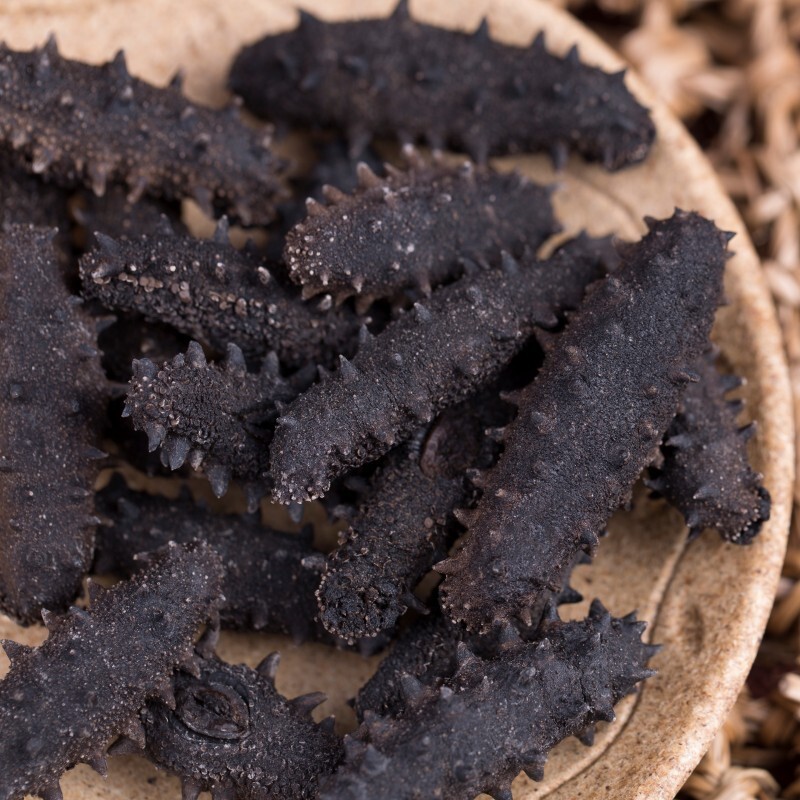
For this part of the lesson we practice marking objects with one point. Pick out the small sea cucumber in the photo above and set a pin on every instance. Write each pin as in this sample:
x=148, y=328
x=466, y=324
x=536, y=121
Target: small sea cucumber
x=63, y=702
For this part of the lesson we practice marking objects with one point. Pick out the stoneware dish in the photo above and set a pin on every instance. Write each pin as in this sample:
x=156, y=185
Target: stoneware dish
x=706, y=602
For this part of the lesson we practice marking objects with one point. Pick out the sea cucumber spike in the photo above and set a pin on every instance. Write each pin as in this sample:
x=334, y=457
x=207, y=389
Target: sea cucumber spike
x=62, y=702
x=629, y=338
x=96, y=138
x=444, y=359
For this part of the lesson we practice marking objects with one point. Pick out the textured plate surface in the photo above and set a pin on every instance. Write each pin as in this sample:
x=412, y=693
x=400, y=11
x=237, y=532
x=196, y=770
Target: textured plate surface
x=708, y=603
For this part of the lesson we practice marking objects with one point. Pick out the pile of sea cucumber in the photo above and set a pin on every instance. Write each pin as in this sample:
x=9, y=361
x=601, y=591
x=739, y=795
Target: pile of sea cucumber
x=398, y=350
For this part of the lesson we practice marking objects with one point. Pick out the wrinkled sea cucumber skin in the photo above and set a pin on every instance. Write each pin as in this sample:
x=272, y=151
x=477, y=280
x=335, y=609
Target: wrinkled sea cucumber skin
x=52, y=406
x=415, y=228
x=219, y=417
x=706, y=474
x=267, y=585
x=208, y=289
x=397, y=77
x=64, y=702
x=591, y=420
x=233, y=734
x=405, y=523
x=495, y=718
x=83, y=124
x=427, y=360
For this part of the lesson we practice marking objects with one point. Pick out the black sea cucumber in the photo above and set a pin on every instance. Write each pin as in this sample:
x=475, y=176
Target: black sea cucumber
x=80, y=123
x=405, y=522
x=233, y=734
x=401, y=78
x=496, y=717
x=219, y=417
x=52, y=405
x=63, y=702
x=208, y=289
x=415, y=227
x=270, y=576
x=592, y=419
x=430, y=358
x=705, y=472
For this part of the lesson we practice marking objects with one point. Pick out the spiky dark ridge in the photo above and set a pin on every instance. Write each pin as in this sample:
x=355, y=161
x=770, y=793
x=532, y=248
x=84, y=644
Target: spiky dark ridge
x=233, y=734
x=495, y=718
x=52, y=406
x=63, y=702
x=401, y=78
x=427, y=360
x=216, y=294
x=218, y=416
x=590, y=422
x=414, y=228
x=80, y=123
x=705, y=472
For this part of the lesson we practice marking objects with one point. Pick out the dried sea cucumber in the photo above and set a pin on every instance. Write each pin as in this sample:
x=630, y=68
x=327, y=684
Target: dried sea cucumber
x=497, y=717
x=63, y=702
x=705, y=473
x=208, y=289
x=219, y=417
x=83, y=124
x=397, y=77
x=270, y=576
x=405, y=522
x=233, y=734
x=415, y=227
x=52, y=405
x=427, y=651
x=590, y=422
x=427, y=360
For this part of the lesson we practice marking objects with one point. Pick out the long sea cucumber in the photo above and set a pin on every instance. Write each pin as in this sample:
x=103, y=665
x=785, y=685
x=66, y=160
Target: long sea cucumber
x=93, y=125
x=427, y=360
x=270, y=575
x=233, y=734
x=396, y=77
x=405, y=522
x=208, y=289
x=52, y=405
x=591, y=420
x=495, y=718
x=63, y=702
x=705, y=472
x=415, y=227
x=219, y=417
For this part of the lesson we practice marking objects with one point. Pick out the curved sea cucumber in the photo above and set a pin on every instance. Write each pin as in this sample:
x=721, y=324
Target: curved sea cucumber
x=63, y=702
x=495, y=718
x=208, y=289
x=79, y=123
x=427, y=360
x=415, y=227
x=590, y=422
x=705, y=472
x=52, y=405
x=219, y=417
x=233, y=734
x=405, y=522
x=396, y=77
x=270, y=576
